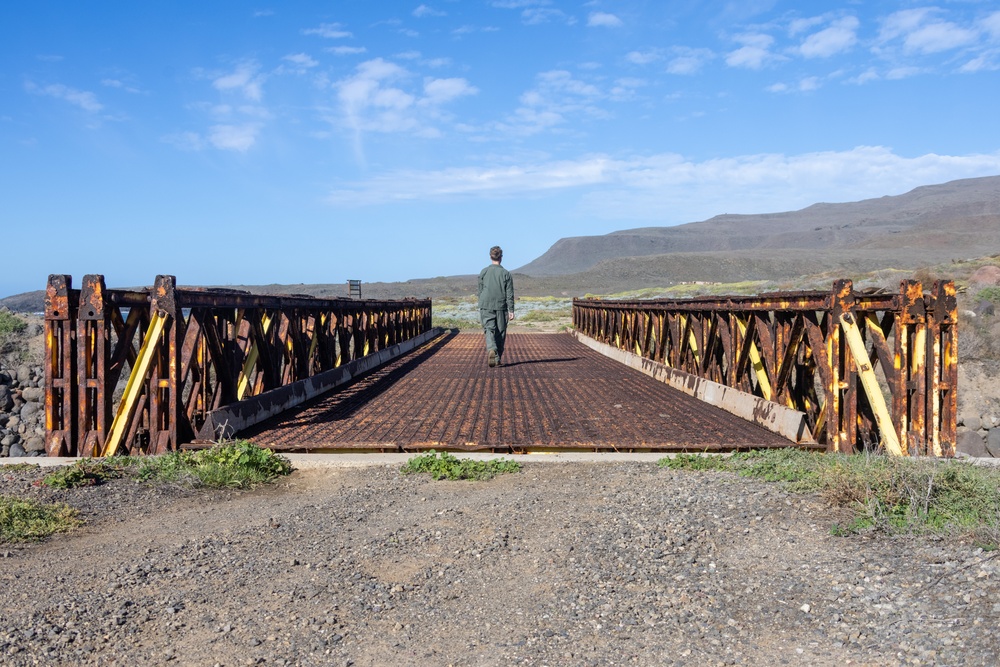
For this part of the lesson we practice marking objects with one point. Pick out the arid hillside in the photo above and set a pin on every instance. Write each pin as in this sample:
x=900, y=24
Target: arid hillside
x=926, y=225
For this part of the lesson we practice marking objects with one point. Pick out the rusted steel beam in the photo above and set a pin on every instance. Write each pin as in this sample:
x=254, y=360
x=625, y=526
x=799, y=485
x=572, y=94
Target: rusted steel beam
x=893, y=381
x=60, y=365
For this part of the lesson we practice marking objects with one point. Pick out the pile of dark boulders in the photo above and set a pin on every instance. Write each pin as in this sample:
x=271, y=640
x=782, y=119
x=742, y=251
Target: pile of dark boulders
x=22, y=411
x=978, y=434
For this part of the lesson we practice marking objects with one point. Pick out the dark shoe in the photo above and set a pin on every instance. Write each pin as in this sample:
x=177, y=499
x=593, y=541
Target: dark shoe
x=491, y=358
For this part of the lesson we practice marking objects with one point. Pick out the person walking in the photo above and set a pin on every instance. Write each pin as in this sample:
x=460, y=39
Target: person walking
x=496, y=305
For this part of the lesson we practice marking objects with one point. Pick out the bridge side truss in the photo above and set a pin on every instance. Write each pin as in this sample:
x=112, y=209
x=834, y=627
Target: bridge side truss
x=188, y=352
x=868, y=371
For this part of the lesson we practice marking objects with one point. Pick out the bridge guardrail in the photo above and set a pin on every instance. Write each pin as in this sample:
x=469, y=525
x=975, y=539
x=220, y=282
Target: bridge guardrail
x=189, y=352
x=868, y=370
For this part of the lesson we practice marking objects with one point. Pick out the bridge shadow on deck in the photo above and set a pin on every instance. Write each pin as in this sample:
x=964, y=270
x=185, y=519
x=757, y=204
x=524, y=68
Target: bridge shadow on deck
x=551, y=393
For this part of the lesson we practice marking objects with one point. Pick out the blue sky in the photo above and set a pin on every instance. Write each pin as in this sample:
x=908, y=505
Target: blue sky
x=303, y=142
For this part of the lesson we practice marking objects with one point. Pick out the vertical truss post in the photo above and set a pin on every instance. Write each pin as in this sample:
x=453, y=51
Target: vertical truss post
x=942, y=377
x=93, y=342
x=164, y=383
x=60, y=359
x=912, y=350
x=841, y=400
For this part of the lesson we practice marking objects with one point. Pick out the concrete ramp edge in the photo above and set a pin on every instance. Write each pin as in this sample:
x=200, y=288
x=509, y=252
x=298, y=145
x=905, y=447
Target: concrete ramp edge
x=788, y=423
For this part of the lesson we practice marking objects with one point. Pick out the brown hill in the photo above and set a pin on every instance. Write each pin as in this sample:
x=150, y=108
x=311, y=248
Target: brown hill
x=955, y=219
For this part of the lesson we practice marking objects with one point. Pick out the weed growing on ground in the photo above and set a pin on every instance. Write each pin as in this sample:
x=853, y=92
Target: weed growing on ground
x=232, y=464
x=448, y=466
x=453, y=323
x=694, y=462
x=891, y=494
x=24, y=520
x=86, y=472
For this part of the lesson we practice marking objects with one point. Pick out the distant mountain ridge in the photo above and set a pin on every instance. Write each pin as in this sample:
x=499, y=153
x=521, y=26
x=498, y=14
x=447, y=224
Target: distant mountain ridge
x=955, y=218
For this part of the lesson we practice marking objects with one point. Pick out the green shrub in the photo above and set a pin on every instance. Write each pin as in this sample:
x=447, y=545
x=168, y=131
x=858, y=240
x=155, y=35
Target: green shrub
x=234, y=464
x=448, y=466
x=11, y=323
x=990, y=294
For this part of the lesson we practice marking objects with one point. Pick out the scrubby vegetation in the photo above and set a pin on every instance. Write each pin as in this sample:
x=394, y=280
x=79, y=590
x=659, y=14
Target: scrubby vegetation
x=26, y=520
x=233, y=464
x=448, y=466
x=891, y=494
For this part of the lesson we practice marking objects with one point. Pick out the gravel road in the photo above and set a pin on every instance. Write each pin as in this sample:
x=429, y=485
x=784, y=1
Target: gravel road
x=560, y=564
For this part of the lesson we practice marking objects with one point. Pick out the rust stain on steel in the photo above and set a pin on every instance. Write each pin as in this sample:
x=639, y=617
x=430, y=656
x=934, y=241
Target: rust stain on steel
x=551, y=392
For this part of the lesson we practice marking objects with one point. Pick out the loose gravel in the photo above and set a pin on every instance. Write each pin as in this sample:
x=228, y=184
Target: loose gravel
x=560, y=564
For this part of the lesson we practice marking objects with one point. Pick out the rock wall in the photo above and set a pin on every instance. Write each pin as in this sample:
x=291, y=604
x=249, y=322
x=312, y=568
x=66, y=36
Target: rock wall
x=22, y=411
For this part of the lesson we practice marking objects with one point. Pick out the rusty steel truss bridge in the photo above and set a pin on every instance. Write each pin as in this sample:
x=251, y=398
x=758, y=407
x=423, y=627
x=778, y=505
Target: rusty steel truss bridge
x=147, y=371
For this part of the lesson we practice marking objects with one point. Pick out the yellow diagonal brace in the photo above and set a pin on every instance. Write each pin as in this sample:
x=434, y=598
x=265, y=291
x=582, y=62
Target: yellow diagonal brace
x=868, y=380
x=758, y=364
x=692, y=341
x=140, y=371
x=318, y=325
x=250, y=362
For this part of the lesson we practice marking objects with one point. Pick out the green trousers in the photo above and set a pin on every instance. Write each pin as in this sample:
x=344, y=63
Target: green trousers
x=495, y=328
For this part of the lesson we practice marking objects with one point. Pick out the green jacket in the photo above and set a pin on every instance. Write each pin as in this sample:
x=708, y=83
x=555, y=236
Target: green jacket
x=496, y=289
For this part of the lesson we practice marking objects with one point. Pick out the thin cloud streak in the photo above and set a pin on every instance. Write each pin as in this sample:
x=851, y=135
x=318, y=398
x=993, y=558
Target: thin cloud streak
x=669, y=188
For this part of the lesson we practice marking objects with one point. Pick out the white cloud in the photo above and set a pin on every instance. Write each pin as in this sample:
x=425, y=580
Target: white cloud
x=986, y=62
x=991, y=24
x=556, y=95
x=624, y=88
x=539, y=15
x=938, y=37
x=424, y=10
x=755, y=52
x=84, y=99
x=243, y=79
x=603, y=19
x=921, y=31
x=120, y=85
x=643, y=57
x=801, y=25
x=809, y=83
x=902, y=73
x=376, y=98
x=668, y=189
x=805, y=85
x=346, y=50
x=440, y=91
x=329, y=31
x=839, y=37
x=186, y=141
x=868, y=75
x=688, y=61
x=301, y=59
x=234, y=137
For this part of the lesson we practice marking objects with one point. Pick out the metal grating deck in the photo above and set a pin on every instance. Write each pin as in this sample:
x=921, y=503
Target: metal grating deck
x=551, y=393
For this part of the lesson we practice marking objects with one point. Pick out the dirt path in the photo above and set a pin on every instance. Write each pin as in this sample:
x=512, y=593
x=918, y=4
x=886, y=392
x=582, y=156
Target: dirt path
x=561, y=564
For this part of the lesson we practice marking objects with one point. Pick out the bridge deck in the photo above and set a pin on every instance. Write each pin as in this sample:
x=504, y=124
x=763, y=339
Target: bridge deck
x=551, y=392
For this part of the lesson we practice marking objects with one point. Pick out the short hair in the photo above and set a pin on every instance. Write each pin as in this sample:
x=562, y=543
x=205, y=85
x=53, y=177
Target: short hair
x=496, y=254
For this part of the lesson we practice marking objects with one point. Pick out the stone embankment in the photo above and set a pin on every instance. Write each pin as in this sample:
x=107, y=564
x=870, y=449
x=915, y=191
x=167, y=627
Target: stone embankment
x=22, y=397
